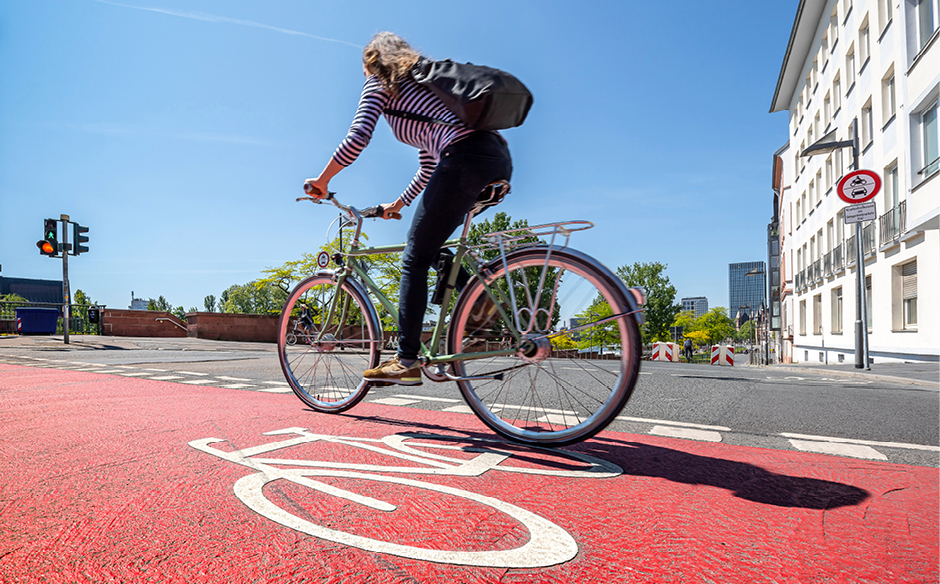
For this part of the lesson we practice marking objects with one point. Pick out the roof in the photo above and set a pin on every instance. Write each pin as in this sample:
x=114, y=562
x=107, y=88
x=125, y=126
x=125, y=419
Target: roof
x=802, y=36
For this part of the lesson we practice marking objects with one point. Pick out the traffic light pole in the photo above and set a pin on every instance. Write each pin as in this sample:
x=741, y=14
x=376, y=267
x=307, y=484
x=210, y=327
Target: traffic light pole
x=65, y=277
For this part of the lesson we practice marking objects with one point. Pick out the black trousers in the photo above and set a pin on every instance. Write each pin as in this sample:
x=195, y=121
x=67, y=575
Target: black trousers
x=465, y=168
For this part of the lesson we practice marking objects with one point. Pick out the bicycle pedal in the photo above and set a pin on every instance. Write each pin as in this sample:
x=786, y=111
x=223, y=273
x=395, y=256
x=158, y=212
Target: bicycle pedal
x=380, y=383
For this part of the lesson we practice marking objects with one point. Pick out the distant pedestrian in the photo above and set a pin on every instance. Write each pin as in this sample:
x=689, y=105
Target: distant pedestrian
x=687, y=347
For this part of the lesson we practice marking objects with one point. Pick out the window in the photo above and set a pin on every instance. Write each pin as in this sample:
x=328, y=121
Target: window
x=837, y=163
x=815, y=74
x=803, y=217
x=867, y=124
x=837, y=310
x=909, y=294
x=817, y=314
x=868, y=311
x=891, y=187
x=829, y=173
x=926, y=22
x=819, y=187
x=812, y=194
x=802, y=158
x=836, y=94
x=834, y=26
x=840, y=220
x=926, y=135
x=824, y=48
x=803, y=317
x=846, y=8
x=827, y=110
x=799, y=209
x=830, y=233
x=864, y=43
x=885, y=13
x=888, y=97
x=850, y=67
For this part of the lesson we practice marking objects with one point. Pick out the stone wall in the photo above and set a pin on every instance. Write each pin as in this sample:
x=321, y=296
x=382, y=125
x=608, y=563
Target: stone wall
x=222, y=326
x=141, y=323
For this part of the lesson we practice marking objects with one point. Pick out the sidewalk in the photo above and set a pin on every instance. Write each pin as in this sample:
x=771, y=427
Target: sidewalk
x=100, y=342
x=925, y=374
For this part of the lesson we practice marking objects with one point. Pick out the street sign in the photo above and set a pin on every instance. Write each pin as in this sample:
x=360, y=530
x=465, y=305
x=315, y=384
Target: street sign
x=860, y=212
x=859, y=186
x=323, y=259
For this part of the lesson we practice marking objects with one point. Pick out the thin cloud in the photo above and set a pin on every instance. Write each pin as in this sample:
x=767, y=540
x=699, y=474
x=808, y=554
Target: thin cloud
x=224, y=19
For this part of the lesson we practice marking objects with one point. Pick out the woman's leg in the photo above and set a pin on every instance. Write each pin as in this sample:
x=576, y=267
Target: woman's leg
x=465, y=168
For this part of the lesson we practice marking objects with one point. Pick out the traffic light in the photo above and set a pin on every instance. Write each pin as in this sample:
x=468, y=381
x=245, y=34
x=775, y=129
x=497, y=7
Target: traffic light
x=49, y=244
x=79, y=239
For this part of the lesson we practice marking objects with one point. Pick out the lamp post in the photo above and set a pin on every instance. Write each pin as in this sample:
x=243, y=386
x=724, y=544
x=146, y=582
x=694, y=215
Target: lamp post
x=823, y=146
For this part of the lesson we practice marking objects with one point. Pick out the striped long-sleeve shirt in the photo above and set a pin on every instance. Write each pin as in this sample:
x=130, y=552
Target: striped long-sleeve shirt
x=428, y=137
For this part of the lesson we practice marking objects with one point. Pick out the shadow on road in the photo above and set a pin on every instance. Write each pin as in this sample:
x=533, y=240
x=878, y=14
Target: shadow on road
x=744, y=480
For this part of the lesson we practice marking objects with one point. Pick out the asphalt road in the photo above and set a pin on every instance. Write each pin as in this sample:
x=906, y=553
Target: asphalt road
x=770, y=407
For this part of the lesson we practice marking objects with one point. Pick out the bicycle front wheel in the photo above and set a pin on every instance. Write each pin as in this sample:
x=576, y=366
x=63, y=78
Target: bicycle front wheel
x=557, y=387
x=325, y=368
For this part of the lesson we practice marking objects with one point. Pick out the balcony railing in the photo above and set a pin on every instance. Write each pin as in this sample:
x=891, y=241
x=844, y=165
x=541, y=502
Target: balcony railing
x=817, y=271
x=851, y=250
x=838, y=259
x=827, y=264
x=893, y=223
x=868, y=238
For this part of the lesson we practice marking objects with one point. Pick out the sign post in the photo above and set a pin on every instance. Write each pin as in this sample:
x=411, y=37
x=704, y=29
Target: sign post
x=857, y=188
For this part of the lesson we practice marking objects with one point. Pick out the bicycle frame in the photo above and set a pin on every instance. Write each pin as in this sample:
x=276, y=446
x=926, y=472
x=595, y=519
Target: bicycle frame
x=429, y=354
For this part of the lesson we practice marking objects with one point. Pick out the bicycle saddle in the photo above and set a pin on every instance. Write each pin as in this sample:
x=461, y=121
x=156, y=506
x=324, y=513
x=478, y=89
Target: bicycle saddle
x=492, y=195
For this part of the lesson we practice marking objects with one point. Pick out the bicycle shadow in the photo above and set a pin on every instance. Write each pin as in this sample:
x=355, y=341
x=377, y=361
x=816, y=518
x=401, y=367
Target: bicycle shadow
x=744, y=480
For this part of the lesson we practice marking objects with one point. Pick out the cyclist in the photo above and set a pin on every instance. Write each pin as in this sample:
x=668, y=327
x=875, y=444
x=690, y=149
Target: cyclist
x=456, y=163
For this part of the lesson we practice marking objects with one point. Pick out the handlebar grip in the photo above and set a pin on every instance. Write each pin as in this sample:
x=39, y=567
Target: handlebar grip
x=308, y=188
x=377, y=212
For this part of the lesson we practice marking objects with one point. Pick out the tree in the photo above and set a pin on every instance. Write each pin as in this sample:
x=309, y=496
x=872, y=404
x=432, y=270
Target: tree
x=256, y=297
x=179, y=313
x=209, y=303
x=160, y=305
x=716, y=324
x=661, y=306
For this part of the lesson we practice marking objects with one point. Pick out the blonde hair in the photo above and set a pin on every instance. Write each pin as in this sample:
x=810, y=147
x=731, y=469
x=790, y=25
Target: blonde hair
x=390, y=58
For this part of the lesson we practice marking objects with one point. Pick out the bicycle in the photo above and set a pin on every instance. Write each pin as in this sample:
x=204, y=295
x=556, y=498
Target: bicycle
x=539, y=390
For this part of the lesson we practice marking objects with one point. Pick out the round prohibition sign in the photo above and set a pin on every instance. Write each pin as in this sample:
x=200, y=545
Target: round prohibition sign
x=859, y=186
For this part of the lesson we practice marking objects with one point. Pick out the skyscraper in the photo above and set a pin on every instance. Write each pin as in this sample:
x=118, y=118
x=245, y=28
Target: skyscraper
x=698, y=305
x=746, y=288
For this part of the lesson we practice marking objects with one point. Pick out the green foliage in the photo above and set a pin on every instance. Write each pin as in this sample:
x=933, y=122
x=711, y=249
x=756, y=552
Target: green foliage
x=661, y=306
x=711, y=328
x=209, y=303
x=256, y=297
x=160, y=305
x=602, y=336
x=179, y=313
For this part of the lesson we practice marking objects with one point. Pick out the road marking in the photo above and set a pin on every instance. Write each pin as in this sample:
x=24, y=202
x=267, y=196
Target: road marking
x=275, y=390
x=561, y=420
x=275, y=382
x=839, y=449
x=429, y=398
x=108, y=371
x=238, y=386
x=197, y=381
x=192, y=373
x=166, y=378
x=688, y=433
x=394, y=401
x=461, y=409
x=233, y=378
x=135, y=373
x=863, y=442
x=671, y=423
x=159, y=370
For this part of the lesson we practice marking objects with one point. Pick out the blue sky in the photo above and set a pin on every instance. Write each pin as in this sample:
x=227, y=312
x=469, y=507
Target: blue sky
x=181, y=132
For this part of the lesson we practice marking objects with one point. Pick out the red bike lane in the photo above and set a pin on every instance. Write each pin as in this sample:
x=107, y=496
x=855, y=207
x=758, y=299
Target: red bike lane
x=113, y=479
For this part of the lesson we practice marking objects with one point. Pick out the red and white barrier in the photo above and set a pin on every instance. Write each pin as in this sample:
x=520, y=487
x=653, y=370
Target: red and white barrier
x=722, y=355
x=665, y=352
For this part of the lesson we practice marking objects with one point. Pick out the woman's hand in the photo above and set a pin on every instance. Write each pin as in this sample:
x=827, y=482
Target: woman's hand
x=391, y=210
x=317, y=187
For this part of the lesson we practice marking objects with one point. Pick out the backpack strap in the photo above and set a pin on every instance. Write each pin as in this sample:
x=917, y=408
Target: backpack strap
x=418, y=117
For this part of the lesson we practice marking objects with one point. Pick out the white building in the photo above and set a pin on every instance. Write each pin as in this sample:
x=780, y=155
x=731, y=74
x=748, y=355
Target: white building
x=876, y=62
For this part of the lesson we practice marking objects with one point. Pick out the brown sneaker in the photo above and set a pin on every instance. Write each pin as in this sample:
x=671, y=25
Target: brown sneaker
x=392, y=371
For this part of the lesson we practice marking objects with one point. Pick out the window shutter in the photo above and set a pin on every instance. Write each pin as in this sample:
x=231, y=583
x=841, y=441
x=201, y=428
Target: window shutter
x=909, y=281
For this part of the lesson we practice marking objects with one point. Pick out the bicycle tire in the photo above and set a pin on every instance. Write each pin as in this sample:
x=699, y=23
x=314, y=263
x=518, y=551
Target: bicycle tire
x=549, y=397
x=290, y=339
x=325, y=371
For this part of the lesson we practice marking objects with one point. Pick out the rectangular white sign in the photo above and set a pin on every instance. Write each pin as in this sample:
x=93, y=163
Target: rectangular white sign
x=860, y=212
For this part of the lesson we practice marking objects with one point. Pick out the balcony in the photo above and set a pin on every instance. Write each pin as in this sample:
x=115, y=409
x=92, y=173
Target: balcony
x=868, y=239
x=838, y=259
x=827, y=265
x=851, y=250
x=893, y=224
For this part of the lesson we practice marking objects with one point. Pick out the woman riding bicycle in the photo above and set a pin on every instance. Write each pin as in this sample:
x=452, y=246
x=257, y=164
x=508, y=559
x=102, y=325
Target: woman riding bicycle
x=456, y=163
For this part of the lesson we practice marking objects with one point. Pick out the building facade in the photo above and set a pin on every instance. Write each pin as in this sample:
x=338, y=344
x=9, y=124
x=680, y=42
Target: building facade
x=696, y=304
x=746, y=288
x=873, y=65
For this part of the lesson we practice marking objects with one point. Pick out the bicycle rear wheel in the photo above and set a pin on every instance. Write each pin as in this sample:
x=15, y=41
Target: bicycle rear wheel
x=558, y=388
x=324, y=367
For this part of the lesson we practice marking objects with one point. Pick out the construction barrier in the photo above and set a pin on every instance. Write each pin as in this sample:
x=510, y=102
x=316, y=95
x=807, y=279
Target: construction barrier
x=665, y=352
x=722, y=355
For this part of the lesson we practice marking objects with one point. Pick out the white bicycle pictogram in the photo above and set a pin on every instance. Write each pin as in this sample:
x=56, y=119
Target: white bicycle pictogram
x=548, y=543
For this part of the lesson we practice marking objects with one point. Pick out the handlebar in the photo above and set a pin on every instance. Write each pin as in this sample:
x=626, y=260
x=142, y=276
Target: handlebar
x=372, y=212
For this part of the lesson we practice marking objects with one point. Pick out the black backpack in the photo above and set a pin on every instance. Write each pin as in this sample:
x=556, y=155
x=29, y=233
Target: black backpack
x=482, y=97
